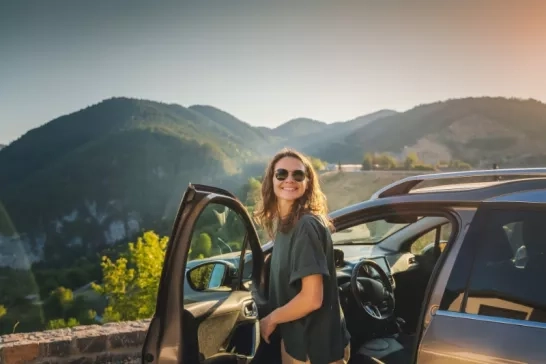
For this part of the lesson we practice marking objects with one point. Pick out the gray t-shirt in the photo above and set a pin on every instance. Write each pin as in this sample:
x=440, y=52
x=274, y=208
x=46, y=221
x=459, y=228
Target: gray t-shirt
x=305, y=250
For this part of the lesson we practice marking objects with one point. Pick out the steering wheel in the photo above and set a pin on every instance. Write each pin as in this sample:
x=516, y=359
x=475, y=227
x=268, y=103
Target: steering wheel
x=372, y=294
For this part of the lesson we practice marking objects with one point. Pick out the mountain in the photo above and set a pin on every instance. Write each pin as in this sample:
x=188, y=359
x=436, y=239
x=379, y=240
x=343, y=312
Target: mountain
x=240, y=131
x=480, y=131
x=337, y=131
x=310, y=135
x=298, y=127
x=103, y=173
x=361, y=121
x=2, y=146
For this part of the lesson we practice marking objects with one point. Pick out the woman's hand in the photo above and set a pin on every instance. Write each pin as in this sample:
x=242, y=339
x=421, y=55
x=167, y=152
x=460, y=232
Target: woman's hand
x=267, y=326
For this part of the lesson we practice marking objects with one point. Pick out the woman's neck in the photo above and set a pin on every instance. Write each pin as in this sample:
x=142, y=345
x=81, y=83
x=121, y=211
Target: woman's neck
x=284, y=207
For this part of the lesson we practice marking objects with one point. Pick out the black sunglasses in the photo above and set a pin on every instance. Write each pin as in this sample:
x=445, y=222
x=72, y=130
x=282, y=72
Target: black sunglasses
x=298, y=175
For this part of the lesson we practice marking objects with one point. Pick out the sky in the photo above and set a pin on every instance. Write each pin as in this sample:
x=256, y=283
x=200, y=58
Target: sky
x=265, y=62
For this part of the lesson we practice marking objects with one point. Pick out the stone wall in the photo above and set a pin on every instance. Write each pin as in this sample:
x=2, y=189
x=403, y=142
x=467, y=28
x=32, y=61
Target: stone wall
x=110, y=343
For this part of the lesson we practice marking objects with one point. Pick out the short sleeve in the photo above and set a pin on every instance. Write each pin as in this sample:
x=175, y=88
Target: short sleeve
x=308, y=256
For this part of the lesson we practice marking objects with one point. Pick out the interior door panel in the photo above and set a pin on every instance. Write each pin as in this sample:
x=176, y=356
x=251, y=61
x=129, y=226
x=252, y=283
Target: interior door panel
x=225, y=323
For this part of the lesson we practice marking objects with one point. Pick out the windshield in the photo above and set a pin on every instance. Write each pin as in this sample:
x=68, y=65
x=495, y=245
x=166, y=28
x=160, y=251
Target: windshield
x=368, y=233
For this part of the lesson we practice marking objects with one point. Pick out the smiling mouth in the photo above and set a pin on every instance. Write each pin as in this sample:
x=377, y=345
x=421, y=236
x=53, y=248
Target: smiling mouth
x=289, y=189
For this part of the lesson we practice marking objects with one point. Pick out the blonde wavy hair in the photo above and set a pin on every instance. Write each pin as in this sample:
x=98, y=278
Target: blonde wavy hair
x=313, y=200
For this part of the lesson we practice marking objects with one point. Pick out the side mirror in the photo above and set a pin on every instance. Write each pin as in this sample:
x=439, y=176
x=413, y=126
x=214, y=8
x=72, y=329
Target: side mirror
x=210, y=275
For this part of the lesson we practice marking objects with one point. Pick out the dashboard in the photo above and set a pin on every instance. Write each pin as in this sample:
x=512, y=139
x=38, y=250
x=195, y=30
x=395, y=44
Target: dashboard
x=339, y=258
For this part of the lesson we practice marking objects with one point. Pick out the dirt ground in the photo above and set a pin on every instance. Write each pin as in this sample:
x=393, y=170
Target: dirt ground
x=346, y=188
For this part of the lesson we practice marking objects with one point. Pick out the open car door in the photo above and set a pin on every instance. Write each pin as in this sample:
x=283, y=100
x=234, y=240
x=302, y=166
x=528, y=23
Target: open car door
x=205, y=312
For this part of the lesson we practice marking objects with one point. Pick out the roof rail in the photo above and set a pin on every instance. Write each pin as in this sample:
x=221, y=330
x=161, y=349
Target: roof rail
x=405, y=185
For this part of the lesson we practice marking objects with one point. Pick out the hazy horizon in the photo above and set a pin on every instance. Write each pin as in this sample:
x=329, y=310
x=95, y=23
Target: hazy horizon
x=265, y=63
x=269, y=126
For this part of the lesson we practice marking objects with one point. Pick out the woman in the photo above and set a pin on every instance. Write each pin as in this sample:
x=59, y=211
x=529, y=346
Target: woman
x=303, y=291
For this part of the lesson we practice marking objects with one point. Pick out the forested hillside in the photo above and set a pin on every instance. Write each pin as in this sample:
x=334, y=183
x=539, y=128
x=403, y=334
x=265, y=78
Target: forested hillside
x=480, y=131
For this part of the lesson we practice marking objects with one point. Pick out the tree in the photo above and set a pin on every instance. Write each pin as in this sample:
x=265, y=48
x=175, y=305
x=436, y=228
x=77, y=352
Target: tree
x=386, y=161
x=254, y=191
x=62, y=323
x=80, y=309
x=318, y=165
x=62, y=309
x=131, y=282
x=250, y=192
x=201, y=247
x=58, y=303
x=459, y=164
x=368, y=162
x=411, y=160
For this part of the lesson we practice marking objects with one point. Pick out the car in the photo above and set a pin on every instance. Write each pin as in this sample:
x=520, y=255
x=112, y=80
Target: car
x=437, y=268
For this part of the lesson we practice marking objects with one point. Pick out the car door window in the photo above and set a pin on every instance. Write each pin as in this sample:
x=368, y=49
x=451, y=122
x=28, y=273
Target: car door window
x=219, y=232
x=508, y=266
x=445, y=235
x=425, y=242
x=219, y=235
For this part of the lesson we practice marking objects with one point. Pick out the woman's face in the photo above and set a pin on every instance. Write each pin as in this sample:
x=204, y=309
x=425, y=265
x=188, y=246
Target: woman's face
x=289, y=179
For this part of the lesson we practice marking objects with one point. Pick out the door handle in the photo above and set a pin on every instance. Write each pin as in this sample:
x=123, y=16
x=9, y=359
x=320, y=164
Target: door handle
x=250, y=310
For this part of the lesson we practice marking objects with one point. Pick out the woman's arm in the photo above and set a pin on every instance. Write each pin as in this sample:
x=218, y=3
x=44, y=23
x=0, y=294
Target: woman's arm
x=308, y=300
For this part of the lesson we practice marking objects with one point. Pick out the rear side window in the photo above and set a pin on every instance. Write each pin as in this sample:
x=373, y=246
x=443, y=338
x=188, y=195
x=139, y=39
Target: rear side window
x=506, y=258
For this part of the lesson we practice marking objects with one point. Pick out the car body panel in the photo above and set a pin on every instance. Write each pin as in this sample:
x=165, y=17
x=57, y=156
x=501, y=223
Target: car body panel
x=457, y=337
x=463, y=338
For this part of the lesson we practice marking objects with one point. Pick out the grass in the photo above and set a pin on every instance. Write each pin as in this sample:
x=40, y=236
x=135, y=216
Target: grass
x=346, y=188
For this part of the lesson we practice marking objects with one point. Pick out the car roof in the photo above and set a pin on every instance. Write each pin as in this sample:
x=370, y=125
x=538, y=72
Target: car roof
x=460, y=180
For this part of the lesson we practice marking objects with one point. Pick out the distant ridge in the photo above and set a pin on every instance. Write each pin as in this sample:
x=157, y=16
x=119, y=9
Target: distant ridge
x=479, y=130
